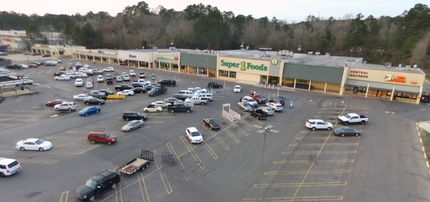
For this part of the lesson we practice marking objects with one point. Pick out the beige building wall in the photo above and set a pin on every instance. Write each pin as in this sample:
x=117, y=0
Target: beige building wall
x=318, y=85
x=246, y=77
x=249, y=70
x=410, y=78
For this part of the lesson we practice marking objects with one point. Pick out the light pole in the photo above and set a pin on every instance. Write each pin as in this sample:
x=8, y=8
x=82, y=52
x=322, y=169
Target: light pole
x=278, y=90
x=263, y=130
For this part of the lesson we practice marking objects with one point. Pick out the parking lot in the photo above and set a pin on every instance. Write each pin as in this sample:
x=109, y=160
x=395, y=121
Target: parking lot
x=384, y=164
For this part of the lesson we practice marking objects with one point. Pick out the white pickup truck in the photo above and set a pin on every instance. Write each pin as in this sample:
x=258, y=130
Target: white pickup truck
x=353, y=118
x=195, y=101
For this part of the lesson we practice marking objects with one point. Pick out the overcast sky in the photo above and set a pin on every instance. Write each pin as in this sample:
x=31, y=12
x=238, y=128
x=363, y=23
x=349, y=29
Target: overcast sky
x=288, y=10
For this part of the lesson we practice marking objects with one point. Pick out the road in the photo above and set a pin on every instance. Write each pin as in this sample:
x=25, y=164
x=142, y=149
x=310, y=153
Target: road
x=385, y=164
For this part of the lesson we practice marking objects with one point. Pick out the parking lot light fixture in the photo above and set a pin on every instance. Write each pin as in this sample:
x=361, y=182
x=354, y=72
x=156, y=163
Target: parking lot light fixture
x=263, y=130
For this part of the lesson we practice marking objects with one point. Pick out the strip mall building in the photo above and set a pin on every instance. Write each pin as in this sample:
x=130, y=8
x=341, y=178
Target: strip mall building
x=321, y=73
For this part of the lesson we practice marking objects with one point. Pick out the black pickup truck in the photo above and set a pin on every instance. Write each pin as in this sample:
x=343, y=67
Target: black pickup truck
x=179, y=108
x=123, y=87
x=258, y=114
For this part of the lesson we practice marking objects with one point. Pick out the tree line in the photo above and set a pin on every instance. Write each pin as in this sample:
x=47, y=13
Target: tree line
x=404, y=39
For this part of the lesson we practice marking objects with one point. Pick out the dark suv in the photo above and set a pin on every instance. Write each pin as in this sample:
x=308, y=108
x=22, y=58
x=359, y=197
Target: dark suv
x=167, y=82
x=97, y=185
x=214, y=85
x=157, y=91
x=132, y=115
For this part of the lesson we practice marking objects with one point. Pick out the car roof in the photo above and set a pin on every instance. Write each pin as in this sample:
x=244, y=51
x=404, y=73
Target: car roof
x=314, y=120
x=6, y=160
x=31, y=140
x=192, y=129
x=97, y=133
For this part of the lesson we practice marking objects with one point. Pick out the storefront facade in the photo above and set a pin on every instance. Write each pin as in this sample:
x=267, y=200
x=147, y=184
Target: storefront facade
x=102, y=56
x=55, y=50
x=200, y=64
x=391, y=83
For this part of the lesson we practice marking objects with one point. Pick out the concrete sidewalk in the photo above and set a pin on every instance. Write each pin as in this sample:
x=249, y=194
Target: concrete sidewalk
x=425, y=126
x=17, y=93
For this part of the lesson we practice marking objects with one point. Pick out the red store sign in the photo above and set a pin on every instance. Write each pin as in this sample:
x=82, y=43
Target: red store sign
x=358, y=74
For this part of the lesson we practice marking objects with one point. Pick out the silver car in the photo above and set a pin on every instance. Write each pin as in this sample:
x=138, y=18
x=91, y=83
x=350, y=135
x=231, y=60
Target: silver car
x=275, y=106
x=244, y=106
x=133, y=125
x=268, y=110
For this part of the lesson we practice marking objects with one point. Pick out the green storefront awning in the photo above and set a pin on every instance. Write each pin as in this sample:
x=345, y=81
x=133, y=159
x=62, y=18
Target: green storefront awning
x=384, y=86
x=167, y=61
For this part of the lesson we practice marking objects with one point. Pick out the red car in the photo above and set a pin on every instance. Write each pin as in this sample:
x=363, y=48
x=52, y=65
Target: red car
x=32, y=66
x=52, y=103
x=62, y=69
x=101, y=137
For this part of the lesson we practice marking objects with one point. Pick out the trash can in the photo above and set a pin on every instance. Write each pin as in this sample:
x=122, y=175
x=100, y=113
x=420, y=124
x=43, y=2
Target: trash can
x=22, y=87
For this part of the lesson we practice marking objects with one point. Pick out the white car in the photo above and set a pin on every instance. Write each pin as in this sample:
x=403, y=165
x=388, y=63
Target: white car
x=81, y=97
x=34, y=144
x=250, y=100
x=194, y=135
x=109, y=69
x=161, y=104
x=275, y=106
x=126, y=77
x=132, y=73
x=100, y=78
x=126, y=92
x=24, y=66
x=9, y=166
x=118, y=78
x=86, y=66
x=237, y=89
x=65, y=106
x=89, y=85
x=62, y=77
x=81, y=75
x=79, y=82
x=315, y=124
x=152, y=108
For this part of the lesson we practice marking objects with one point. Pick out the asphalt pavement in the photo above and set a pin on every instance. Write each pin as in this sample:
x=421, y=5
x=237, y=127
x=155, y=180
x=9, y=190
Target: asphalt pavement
x=385, y=164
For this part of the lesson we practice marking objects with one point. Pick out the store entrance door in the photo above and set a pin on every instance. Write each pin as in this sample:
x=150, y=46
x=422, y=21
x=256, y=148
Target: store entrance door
x=273, y=80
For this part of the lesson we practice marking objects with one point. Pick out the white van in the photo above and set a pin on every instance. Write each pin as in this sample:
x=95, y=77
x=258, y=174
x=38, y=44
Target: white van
x=186, y=92
x=206, y=96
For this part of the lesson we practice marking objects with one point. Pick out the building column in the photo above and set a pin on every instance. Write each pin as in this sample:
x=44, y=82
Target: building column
x=419, y=95
x=367, y=90
x=170, y=66
x=344, y=78
x=325, y=87
x=179, y=68
x=207, y=72
x=295, y=81
x=310, y=84
x=86, y=58
x=392, y=93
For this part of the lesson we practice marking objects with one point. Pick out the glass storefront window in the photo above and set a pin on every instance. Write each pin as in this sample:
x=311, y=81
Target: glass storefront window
x=232, y=75
x=223, y=73
x=302, y=81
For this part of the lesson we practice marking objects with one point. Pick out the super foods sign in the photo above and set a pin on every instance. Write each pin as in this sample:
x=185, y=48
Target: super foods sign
x=243, y=65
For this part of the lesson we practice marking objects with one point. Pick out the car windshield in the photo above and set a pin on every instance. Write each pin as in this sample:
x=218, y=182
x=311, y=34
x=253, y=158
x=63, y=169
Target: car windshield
x=237, y=87
x=91, y=184
x=246, y=105
x=106, y=135
x=213, y=121
x=347, y=116
x=131, y=123
x=269, y=109
x=39, y=141
x=195, y=134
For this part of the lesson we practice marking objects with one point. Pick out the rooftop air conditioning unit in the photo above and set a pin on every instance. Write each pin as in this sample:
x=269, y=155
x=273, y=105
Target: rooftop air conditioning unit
x=317, y=53
x=310, y=52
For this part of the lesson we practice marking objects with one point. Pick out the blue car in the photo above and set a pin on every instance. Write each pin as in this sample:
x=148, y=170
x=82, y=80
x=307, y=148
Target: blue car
x=90, y=110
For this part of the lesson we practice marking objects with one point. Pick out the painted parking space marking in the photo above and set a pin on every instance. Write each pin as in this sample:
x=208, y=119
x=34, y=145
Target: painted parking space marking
x=303, y=172
x=317, y=152
x=24, y=161
x=19, y=99
x=191, y=151
x=319, y=161
x=142, y=184
x=64, y=196
x=304, y=131
x=321, y=144
x=215, y=136
x=164, y=179
x=172, y=151
x=299, y=198
x=306, y=184
x=211, y=152
x=229, y=134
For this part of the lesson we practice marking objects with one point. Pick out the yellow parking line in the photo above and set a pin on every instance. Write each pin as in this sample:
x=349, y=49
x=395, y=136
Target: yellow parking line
x=210, y=150
x=38, y=161
x=318, y=161
x=304, y=131
x=39, y=72
x=64, y=196
x=191, y=151
x=307, y=184
x=299, y=198
x=19, y=99
x=164, y=179
x=303, y=172
x=172, y=151
x=241, y=130
x=321, y=144
x=317, y=152
x=141, y=178
x=217, y=138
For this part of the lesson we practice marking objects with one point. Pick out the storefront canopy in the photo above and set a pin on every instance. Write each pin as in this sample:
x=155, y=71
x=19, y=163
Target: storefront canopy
x=90, y=54
x=41, y=48
x=384, y=86
x=167, y=61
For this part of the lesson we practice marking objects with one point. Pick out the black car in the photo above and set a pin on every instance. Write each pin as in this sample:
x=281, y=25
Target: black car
x=94, y=101
x=132, y=115
x=139, y=90
x=137, y=85
x=107, y=92
x=182, y=97
x=149, y=87
x=157, y=91
x=14, y=66
x=97, y=185
x=59, y=73
x=46, y=55
x=343, y=131
x=214, y=85
x=34, y=54
x=142, y=75
x=425, y=97
x=172, y=100
x=211, y=123
x=167, y=82
x=2, y=99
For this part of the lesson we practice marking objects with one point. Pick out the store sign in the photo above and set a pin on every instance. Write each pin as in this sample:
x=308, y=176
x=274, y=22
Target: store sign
x=358, y=74
x=131, y=56
x=243, y=65
x=394, y=78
